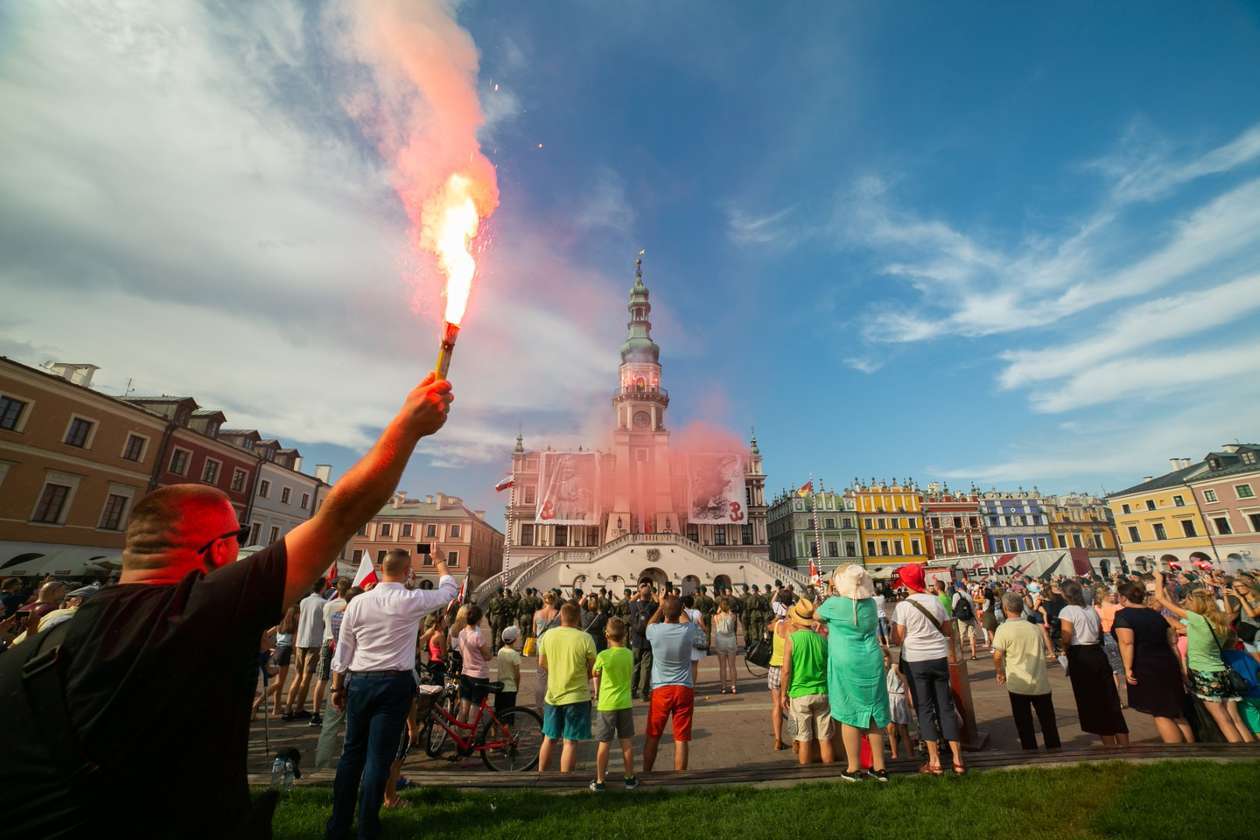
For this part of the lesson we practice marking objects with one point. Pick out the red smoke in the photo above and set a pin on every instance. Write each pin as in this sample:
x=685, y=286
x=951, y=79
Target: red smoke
x=422, y=109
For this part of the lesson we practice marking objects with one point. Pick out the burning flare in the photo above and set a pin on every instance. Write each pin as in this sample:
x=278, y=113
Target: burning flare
x=453, y=228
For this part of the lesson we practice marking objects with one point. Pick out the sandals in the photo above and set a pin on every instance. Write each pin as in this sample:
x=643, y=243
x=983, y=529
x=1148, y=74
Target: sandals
x=959, y=769
x=928, y=770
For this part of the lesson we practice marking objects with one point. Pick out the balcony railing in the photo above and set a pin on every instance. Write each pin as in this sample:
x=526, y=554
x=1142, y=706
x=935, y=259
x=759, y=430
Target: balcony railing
x=659, y=395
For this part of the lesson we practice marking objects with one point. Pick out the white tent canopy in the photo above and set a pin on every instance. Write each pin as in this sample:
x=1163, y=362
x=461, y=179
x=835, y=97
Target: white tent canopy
x=19, y=559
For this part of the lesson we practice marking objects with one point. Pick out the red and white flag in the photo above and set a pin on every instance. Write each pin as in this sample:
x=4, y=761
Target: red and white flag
x=366, y=573
x=503, y=484
x=815, y=576
x=463, y=591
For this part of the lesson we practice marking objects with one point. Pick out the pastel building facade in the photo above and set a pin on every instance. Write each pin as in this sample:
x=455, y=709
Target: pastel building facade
x=890, y=521
x=1015, y=521
x=952, y=523
x=821, y=526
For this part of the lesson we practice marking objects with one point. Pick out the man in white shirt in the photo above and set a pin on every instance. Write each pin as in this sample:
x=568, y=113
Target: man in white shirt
x=310, y=635
x=332, y=606
x=373, y=681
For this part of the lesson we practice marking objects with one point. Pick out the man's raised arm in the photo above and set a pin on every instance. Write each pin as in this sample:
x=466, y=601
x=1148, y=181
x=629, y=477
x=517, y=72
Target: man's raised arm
x=364, y=490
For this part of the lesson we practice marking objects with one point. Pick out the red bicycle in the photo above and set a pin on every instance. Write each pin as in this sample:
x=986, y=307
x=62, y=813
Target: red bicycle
x=506, y=742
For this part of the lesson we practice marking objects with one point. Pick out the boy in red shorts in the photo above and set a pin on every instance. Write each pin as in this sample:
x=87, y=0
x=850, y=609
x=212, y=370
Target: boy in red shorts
x=672, y=637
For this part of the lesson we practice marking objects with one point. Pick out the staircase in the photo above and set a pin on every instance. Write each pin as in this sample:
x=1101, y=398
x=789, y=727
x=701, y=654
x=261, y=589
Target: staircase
x=522, y=577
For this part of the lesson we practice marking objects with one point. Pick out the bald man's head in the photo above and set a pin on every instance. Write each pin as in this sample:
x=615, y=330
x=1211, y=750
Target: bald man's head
x=173, y=520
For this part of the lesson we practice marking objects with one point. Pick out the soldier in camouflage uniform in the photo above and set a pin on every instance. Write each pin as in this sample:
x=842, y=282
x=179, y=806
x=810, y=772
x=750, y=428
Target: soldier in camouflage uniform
x=622, y=607
x=525, y=613
x=494, y=611
x=511, y=607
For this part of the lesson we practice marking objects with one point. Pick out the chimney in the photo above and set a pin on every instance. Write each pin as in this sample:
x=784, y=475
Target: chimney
x=324, y=473
x=297, y=464
x=428, y=500
x=399, y=497
x=1176, y=463
x=1146, y=478
x=79, y=374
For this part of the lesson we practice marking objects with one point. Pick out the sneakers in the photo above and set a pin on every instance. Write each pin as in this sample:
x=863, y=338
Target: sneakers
x=286, y=716
x=855, y=776
x=302, y=715
x=596, y=787
x=316, y=720
x=877, y=775
x=632, y=782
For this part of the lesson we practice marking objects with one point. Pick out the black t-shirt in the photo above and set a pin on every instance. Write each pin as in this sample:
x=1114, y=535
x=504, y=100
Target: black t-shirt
x=159, y=687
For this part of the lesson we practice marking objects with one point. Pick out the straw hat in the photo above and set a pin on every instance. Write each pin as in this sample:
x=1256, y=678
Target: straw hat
x=802, y=612
x=853, y=582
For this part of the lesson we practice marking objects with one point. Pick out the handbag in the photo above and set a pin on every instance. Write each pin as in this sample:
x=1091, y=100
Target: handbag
x=759, y=653
x=1235, y=683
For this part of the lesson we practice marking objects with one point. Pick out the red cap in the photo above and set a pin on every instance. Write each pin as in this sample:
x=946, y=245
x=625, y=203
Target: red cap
x=911, y=576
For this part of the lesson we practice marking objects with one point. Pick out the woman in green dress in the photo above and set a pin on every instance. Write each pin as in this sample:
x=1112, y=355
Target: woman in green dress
x=856, y=685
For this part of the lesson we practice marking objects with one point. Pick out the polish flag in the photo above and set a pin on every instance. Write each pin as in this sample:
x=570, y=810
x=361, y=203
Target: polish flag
x=366, y=573
x=814, y=575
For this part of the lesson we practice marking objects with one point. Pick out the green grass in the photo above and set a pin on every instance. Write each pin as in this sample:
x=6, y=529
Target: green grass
x=1195, y=800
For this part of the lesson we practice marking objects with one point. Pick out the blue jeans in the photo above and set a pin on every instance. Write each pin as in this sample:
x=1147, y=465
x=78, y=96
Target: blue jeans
x=376, y=711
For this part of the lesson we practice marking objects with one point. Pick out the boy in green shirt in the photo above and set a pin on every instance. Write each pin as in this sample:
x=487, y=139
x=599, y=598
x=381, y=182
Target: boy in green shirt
x=613, y=669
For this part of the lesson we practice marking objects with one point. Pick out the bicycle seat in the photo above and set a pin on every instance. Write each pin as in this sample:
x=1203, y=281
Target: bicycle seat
x=496, y=687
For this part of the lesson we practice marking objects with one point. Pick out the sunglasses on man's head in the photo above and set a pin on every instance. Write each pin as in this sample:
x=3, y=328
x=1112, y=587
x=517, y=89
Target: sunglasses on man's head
x=241, y=534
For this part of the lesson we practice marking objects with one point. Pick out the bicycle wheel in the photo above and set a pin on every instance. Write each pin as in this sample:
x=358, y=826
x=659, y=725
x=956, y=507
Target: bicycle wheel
x=435, y=736
x=756, y=670
x=522, y=728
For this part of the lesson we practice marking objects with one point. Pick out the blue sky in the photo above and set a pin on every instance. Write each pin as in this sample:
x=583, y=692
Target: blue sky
x=1015, y=244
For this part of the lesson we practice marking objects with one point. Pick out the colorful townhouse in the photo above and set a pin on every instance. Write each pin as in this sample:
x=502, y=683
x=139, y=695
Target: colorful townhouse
x=890, y=521
x=952, y=522
x=1015, y=521
x=1159, y=521
x=1226, y=488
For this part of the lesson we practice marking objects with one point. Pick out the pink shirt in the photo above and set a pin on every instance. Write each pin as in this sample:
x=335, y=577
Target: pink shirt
x=470, y=643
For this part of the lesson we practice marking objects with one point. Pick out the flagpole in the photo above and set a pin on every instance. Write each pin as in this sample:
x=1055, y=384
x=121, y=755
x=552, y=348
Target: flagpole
x=813, y=498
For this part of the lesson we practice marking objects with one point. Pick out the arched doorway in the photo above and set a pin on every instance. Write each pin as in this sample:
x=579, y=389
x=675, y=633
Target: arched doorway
x=689, y=585
x=654, y=576
x=722, y=583
x=426, y=584
x=1105, y=567
x=1168, y=559
x=579, y=582
x=1200, y=557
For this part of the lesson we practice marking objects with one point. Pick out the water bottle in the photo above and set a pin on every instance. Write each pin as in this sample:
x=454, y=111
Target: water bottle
x=277, y=773
x=288, y=775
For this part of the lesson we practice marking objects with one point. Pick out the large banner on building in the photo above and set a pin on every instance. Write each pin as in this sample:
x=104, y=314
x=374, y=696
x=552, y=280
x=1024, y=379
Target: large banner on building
x=715, y=489
x=568, y=489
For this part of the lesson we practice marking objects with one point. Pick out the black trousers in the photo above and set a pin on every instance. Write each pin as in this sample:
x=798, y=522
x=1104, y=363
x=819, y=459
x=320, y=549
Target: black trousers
x=929, y=686
x=641, y=680
x=1022, y=707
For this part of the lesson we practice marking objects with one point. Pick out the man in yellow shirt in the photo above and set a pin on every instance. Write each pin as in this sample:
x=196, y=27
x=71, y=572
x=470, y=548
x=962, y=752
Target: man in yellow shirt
x=567, y=655
x=1021, y=667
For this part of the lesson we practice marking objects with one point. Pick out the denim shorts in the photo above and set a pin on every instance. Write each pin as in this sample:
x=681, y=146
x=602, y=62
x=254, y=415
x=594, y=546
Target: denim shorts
x=570, y=722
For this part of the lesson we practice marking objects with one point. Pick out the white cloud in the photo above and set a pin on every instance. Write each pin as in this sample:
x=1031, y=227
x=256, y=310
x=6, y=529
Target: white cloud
x=1119, y=454
x=184, y=203
x=864, y=365
x=1142, y=168
x=1148, y=323
x=769, y=229
x=970, y=288
x=605, y=204
x=1145, y=378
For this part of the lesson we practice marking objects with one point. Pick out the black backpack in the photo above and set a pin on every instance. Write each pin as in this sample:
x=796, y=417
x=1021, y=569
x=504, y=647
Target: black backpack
x=963, y=611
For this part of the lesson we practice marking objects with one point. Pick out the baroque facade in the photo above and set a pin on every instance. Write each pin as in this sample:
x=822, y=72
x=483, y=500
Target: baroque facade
x=821, y=525
x=644, y=506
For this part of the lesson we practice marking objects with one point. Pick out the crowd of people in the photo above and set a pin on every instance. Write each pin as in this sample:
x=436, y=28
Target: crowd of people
x=98, y=685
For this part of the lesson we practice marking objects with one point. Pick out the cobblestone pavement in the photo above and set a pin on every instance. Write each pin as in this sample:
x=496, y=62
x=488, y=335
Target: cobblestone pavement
x=730, y=730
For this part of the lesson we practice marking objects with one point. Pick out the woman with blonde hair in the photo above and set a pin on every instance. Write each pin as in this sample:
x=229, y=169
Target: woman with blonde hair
x=545, y=618
x=774, y=673
x=724, y=645
x=1207, y=633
